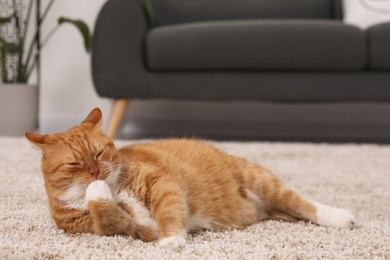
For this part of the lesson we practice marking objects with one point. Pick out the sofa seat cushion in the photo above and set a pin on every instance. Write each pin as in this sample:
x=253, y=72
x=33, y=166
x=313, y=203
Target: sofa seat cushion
x=379, y=46
x=256, y=44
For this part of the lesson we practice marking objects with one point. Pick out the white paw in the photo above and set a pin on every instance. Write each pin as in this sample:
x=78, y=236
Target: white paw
x=334, y=217
x=173, y=242
x=98, y=190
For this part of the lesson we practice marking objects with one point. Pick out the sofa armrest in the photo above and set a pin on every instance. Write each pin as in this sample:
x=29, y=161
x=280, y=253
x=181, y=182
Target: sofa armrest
x=378, y=46
x=118, y=68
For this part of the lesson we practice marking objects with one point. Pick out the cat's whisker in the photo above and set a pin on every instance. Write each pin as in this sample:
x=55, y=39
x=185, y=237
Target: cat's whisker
x=129, y=164
x=112, y=168
x=111, y=165
x=132, y=163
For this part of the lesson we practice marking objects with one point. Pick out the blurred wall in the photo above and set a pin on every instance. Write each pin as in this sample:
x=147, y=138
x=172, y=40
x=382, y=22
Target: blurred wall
x=67, y=93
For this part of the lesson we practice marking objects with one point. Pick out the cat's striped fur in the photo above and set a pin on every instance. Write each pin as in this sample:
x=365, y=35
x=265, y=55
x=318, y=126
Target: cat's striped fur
x=162, y=189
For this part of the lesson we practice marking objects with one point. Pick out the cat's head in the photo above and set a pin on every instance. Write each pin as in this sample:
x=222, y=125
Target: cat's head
x=73, y=159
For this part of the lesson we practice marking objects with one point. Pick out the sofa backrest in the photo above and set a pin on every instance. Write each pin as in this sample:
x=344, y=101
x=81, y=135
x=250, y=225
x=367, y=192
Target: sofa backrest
x=181, y=11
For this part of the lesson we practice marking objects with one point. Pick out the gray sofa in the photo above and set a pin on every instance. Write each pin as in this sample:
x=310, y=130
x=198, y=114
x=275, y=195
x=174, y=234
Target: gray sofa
x=279, y=50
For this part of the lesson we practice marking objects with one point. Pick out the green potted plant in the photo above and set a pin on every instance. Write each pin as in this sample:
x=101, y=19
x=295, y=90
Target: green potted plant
x=19, y=59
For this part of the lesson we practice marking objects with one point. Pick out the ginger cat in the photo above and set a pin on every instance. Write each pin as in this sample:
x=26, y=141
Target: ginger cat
x=162, y=189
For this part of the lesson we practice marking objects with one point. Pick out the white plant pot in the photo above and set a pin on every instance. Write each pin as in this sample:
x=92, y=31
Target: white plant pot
x=18, y=108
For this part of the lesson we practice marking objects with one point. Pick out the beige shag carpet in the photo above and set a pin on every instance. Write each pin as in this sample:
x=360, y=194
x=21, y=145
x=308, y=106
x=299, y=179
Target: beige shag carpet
x=351, y=176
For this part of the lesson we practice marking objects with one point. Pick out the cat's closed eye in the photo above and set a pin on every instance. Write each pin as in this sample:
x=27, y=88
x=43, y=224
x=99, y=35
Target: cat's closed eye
x=99, y=154
x=74, y=164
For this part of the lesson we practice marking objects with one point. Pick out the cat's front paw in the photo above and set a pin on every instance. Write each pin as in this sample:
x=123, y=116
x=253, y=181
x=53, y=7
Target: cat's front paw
x=173, y=242
x=334, y=217
x=98, y=190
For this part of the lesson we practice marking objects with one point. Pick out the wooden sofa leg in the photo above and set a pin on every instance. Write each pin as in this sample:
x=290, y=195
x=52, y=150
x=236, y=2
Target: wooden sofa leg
x=117, y=111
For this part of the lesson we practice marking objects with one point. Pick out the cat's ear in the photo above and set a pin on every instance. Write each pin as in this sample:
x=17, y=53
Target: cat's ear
x=94, y=117
x=36, y=139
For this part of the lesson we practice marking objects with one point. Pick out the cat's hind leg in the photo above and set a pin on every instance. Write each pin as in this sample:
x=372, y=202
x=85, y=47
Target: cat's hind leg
x=290, y=206
x=283, y=203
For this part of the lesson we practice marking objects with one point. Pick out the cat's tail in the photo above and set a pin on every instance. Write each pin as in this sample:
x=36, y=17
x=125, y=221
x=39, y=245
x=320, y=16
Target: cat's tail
x=280, y=202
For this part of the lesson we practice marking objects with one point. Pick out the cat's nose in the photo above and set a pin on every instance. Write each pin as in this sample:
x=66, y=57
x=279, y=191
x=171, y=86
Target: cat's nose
x=94, y=171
